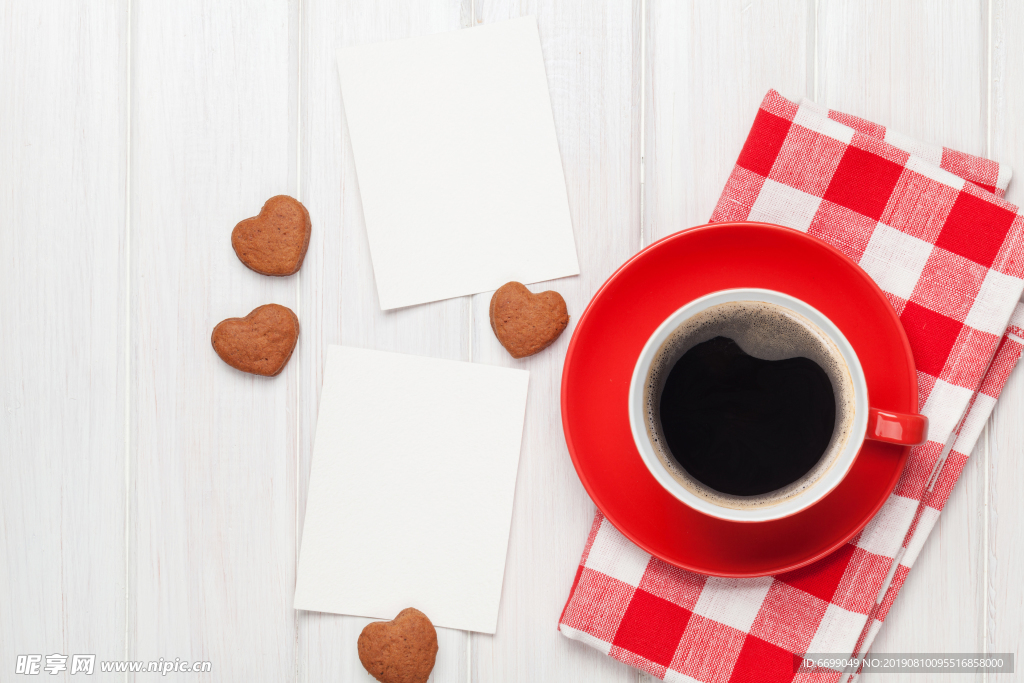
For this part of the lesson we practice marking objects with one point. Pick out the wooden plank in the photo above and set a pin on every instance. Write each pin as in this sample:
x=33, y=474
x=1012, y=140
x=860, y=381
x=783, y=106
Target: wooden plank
x=338, y=297
x=1003, y=628
x=920, y=71
x=1004, y=596
x=592, y=58
x=945, y=584
x=63, y=159
x=907, y=66
x=214, y=457
x=709, y=66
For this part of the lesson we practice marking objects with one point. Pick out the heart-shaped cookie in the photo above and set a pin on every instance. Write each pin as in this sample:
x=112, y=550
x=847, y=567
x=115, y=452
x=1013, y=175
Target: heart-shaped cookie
x=524, y=322
x=275, y=241
x=260, y=343
x=401, y=650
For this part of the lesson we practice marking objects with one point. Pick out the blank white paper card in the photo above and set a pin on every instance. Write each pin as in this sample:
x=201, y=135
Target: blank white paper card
x=457, y=162
x=411, y=488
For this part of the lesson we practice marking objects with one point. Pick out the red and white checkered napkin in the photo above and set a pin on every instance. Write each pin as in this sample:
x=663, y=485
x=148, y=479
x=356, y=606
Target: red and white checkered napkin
x=929, y=225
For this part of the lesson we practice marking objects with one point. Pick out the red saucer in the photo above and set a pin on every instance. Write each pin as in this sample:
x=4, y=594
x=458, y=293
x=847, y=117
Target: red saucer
x=622, y=316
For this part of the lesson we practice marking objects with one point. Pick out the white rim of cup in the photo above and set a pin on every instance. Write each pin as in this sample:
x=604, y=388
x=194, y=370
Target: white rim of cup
x=790, y=506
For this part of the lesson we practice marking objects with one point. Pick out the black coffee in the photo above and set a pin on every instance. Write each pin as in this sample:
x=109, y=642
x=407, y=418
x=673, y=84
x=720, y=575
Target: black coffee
x=745, y=426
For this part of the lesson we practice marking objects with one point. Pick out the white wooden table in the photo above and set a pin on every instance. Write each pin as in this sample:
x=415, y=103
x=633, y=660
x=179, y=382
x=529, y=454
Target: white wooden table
x=151, y=498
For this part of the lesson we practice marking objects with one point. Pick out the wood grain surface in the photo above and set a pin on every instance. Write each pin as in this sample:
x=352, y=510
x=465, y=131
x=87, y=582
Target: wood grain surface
x=63, y=328
x=151, y=497
x=338, y=298
x=922, y=72
x=213, y=450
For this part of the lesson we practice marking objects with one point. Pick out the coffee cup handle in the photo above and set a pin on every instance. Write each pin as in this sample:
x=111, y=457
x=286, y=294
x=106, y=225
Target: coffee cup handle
x=899, y=428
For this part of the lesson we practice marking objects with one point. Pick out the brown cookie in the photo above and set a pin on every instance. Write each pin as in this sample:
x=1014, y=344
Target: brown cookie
x=260, y=343
x=275, y=241
x=401, y=650
x=524, y=322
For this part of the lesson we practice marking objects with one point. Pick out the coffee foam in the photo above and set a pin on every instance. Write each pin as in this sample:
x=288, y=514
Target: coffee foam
x=769, y=332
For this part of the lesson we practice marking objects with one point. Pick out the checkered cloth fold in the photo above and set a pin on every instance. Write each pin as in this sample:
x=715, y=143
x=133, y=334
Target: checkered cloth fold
x=930, y=226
